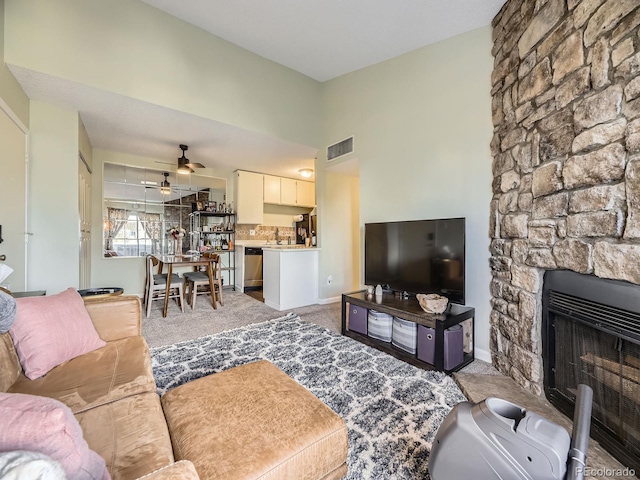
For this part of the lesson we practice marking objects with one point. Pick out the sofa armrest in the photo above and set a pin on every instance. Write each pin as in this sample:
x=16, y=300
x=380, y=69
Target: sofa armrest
x=184, y=470
x=115, y=317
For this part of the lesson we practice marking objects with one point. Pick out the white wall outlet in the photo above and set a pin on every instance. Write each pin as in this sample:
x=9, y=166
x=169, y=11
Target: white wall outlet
x=329, y=279
x=252, y=232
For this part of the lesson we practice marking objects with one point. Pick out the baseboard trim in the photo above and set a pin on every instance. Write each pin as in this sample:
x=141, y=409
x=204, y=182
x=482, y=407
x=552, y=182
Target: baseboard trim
x=326, y=301
x=483, y=355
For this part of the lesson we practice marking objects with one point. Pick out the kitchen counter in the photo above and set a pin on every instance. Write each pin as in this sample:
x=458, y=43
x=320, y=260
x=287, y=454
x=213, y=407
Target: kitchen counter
x=288, y=248
x=290, y=277
x=240, y=245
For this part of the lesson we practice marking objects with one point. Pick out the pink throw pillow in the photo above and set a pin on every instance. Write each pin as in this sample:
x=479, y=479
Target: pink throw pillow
x=47, y=426
x=52, y=329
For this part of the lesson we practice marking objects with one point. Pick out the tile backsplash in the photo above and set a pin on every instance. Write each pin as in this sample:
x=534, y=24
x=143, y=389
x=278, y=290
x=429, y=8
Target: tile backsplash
x=264, y=232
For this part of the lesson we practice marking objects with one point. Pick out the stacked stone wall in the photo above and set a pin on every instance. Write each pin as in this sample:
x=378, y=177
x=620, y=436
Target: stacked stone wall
x=566, y=160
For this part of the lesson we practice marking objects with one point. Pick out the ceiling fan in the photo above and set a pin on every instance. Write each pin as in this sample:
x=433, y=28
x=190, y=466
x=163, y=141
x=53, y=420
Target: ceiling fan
x=185, y=166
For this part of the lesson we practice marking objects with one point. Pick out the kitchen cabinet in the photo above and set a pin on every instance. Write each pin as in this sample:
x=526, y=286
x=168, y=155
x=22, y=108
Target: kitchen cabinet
x=288, y=191
x=271, y=189
x=249, y=197
x=306, y=194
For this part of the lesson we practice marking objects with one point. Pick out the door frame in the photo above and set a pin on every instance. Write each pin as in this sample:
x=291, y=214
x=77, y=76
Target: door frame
x=6, y=109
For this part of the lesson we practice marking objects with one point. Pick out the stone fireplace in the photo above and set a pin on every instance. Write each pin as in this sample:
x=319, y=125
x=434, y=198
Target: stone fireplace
x=566, y=168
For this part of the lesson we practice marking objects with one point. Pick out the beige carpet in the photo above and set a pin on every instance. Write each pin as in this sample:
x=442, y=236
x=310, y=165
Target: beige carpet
x=239, y=310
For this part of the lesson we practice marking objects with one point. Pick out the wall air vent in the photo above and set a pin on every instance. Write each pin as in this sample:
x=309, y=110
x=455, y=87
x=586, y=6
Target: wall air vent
x=339, y=149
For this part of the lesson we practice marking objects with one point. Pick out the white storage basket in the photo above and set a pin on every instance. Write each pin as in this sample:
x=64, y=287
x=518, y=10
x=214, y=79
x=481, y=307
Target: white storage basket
x=380, y=325
x=405, y=335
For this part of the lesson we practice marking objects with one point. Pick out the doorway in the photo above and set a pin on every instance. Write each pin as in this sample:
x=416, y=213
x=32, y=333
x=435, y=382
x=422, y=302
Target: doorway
x=13, y=199
x=84, y=214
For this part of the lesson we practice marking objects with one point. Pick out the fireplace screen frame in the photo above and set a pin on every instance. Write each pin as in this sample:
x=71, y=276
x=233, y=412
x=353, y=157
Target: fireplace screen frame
x=608, y=306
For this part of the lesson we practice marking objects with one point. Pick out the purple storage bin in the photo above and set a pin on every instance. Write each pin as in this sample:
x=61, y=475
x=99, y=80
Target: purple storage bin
x=426, y=344
x=358, y=319
x=453, y=346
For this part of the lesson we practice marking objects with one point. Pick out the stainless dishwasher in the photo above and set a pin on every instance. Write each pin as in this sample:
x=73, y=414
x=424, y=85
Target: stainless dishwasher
x=252, y=268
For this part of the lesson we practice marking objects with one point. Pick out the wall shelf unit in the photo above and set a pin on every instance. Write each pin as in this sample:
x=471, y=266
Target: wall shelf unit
x=216, y=233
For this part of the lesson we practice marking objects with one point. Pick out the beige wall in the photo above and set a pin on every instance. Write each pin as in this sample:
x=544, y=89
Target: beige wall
x=338, y=234
x=53, y=199
x=130, y=48
x=10, y=91
x=422, y=126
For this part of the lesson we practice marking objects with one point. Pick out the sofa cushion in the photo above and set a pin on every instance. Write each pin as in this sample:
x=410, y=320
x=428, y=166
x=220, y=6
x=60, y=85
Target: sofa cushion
x=254, y=421
x=117, y=370
x=130, y=434
x=184, y=470
x=52, y=329
x=115, y=317
x=47, y=426
x=9, y=364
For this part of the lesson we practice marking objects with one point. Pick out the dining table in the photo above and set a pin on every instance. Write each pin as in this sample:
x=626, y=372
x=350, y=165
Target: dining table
x=185, y=261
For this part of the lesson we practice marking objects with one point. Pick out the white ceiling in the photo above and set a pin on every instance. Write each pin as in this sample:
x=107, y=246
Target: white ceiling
x=328, y=38
x=320, y=39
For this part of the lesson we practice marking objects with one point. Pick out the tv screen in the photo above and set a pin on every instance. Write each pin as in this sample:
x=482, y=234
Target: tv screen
x=421, y=256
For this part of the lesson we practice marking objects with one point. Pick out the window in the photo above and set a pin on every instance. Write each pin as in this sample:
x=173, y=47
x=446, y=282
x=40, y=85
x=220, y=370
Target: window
x=139, y=235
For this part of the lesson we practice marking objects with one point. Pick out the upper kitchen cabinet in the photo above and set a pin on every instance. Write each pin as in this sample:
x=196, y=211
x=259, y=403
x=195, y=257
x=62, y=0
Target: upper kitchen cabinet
x=249, y=197
x=288, y=191
x=306, y=193
x=271, y=189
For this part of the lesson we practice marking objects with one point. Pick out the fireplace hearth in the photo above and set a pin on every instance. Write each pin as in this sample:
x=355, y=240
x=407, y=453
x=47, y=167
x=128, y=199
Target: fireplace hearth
x=591, y=335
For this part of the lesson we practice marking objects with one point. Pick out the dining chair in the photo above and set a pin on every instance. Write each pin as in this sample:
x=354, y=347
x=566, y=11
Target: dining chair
x=197, y=283
x=156, y=286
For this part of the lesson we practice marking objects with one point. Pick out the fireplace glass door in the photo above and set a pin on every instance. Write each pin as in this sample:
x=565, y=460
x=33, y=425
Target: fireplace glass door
x=611, y=367
x=591, y=335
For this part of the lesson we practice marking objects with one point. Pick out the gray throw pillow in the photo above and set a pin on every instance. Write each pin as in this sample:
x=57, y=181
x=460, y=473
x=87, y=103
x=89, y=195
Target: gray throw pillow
x=7, y=311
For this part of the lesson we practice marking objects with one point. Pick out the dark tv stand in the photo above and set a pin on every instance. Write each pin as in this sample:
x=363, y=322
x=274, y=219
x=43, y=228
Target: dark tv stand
x=409, y=309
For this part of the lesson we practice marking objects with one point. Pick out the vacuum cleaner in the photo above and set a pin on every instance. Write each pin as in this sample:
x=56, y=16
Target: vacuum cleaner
x=499, y=440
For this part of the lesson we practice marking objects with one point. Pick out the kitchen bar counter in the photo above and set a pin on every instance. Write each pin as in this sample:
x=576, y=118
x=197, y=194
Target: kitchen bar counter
x=287, y=248
x=240, y=245
x=290, y=277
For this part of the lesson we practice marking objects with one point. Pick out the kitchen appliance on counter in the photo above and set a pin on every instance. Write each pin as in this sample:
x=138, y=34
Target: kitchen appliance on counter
x=306, y=228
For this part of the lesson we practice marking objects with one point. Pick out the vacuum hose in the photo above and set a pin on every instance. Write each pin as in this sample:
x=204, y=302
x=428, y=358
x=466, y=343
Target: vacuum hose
x=580, y=436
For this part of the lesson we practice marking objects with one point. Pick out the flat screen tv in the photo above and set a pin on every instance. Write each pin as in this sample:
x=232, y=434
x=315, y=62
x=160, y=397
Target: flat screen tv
x=420, y=256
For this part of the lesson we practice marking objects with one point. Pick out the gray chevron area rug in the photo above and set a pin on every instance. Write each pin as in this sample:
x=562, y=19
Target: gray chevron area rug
x=392, y=409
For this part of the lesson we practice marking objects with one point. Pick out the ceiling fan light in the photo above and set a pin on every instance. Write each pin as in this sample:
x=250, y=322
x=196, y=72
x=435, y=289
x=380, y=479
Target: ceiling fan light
x=306, y=172
x=184, y=170
x=165, y=186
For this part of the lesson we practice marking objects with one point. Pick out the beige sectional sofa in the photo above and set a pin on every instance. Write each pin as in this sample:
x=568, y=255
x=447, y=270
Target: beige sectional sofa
x=112, y=393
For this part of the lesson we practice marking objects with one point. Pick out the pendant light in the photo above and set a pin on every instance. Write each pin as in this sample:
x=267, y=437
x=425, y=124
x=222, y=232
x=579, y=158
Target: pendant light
x=165, y=186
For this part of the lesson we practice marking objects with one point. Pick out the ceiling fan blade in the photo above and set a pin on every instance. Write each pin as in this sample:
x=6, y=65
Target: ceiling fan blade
x=195, y=165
